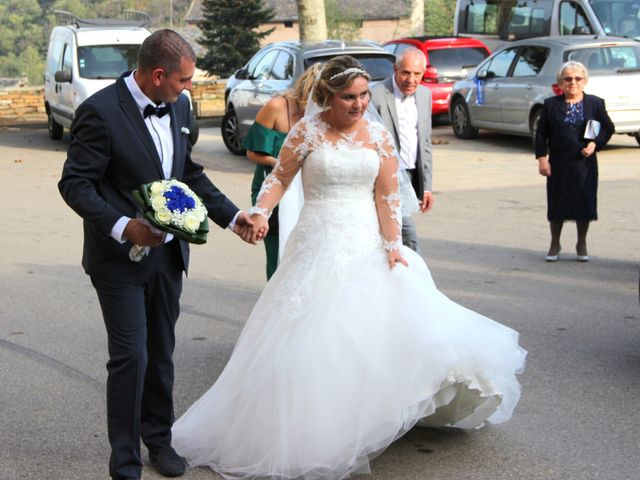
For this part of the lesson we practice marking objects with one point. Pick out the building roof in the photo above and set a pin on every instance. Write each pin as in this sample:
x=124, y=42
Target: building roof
x=286, y=10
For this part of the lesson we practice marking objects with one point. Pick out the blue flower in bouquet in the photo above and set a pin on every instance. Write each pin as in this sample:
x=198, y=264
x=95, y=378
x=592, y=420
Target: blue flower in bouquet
x=175, y=204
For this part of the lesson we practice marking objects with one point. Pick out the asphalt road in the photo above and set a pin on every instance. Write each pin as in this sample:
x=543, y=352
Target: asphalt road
x=484, y=241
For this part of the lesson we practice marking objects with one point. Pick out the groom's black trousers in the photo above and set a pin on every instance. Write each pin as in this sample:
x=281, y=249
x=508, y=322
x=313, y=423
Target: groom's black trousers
x=140, y=318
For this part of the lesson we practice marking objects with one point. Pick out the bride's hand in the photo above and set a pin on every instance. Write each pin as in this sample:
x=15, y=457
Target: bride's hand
x=260, y=227
x=394, y=256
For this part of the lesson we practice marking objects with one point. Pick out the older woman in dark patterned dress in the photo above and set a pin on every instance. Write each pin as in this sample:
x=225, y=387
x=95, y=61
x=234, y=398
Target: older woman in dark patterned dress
x=571, y=166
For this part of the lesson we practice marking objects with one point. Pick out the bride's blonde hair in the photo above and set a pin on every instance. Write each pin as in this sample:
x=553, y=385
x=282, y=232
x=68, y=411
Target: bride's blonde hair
x=337, y=74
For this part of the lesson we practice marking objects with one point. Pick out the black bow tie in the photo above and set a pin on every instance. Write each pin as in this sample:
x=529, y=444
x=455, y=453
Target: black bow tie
x=153, y=110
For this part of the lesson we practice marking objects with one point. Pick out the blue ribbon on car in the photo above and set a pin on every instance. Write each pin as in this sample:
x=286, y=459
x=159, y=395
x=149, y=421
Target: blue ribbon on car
x=479, y=90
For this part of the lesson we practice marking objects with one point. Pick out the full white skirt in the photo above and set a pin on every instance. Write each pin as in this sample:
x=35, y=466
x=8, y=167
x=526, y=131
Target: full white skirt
x=341, y=356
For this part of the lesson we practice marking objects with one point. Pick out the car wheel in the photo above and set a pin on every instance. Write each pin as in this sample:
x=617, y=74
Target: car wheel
x=230, y=133
x=460, y=121
x=55, y=129
x=637, y=136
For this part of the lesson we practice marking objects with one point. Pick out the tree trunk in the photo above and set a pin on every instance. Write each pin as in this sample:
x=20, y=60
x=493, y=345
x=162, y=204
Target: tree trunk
x=312, y=20
x=417, y=17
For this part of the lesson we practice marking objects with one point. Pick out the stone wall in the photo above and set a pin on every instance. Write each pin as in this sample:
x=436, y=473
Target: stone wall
x=25, y=105
x=21, y=105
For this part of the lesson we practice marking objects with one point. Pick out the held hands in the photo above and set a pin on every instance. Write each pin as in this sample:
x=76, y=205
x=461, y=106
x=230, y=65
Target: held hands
x=244, y=228
x=260, y=227
x=394, y=256
x=589, y=149
x=140, y=232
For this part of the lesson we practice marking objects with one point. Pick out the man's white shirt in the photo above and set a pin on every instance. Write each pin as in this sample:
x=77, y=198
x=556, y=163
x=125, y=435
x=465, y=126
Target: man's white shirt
x=407, y=127
x=160, y=131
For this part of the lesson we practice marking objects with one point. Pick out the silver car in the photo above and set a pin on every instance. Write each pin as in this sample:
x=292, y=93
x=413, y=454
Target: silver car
x=276, y=67
x=505, y=92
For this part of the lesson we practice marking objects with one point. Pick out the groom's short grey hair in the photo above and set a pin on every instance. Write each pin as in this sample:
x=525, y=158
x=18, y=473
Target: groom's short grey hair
x=165, y=49
x=411, y=51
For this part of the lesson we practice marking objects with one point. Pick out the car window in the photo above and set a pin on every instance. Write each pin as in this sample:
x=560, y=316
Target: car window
x=377, y=66
x=106, y=61
x=263, y=68
x=391, y=47
x=66, y=58
x=251, y=66
x=571, y=17
x=530, y=61
x=499, y=65
x=606, y=60
x=283, y=67
x=451, y=61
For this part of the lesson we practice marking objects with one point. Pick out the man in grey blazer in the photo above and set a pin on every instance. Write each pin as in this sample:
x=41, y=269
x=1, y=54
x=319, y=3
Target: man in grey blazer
x=405, y=107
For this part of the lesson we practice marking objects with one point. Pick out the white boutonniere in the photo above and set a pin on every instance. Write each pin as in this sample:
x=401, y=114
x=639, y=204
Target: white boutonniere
x=185, y=130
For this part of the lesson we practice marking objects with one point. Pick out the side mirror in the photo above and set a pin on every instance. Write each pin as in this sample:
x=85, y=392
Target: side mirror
x=430, y=75
x=62, y=76
x=483, y=74
x=242, y=74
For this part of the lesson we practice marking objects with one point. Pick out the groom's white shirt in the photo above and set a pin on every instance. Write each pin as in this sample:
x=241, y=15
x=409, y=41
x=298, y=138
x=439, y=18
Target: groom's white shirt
x=160, y=131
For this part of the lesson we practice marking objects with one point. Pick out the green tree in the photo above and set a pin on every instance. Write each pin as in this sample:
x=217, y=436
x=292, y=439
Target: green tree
x=22, y=41
x=438, y=17
x=229, y=33
x=343, y=23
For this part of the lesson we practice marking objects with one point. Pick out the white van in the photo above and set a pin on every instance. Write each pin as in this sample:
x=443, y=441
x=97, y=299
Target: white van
x=84, y=57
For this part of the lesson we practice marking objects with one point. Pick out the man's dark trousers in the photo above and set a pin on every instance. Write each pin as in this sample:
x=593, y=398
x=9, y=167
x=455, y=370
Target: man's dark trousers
x=140, y=320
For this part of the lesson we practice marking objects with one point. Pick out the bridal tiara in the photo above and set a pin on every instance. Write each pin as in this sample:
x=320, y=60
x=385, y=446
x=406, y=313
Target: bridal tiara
x=347, y=72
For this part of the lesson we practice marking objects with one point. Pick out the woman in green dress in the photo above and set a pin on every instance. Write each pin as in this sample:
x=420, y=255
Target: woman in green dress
x=263, y=142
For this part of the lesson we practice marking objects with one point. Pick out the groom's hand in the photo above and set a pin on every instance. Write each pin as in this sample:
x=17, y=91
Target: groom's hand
x=244, y=228
x=140, y=232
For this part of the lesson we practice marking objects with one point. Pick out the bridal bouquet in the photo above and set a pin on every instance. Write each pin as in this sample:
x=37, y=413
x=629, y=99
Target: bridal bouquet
x=171, y=206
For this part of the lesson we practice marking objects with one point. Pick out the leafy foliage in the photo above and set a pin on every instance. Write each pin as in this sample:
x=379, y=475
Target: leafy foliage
x=25, y=26
x=229, y=33
x=342, y=22
x=438, y=17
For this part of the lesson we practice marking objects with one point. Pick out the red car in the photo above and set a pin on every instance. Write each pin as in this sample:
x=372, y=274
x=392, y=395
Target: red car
x=448, y=60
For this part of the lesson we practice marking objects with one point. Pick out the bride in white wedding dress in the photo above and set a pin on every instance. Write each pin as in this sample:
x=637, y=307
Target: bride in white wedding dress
x=350, y=344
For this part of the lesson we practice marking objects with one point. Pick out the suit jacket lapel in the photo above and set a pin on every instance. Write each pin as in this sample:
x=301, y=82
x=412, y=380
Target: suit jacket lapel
x=421, y=99
x=178, y=154
x=131, y=111
x=390, y=100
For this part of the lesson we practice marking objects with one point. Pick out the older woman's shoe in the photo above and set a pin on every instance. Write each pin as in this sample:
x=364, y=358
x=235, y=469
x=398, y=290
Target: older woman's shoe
x=553, y=255
x=581, y=251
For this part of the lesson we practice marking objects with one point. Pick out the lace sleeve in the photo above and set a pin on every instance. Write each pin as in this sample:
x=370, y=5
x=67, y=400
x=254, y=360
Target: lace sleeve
x=289, y=161
x=386, y=195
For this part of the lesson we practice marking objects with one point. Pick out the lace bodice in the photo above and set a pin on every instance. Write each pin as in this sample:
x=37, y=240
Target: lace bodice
x=339, y=171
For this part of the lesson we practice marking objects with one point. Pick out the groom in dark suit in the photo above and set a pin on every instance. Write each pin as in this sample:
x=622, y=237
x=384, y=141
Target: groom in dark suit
x=133, y=132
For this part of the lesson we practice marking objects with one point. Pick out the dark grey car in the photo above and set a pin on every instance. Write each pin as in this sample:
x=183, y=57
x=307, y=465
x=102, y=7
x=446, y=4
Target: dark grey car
x=276, y=67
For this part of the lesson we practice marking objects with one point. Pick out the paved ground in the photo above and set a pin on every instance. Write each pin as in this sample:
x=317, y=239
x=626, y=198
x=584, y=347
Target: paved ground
x=484, y=241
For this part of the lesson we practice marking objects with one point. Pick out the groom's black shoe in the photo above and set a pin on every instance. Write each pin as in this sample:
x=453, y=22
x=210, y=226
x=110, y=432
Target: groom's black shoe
x=167, y=462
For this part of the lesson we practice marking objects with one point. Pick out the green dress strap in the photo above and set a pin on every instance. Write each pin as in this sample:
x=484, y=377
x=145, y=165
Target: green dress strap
x=264, y=140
